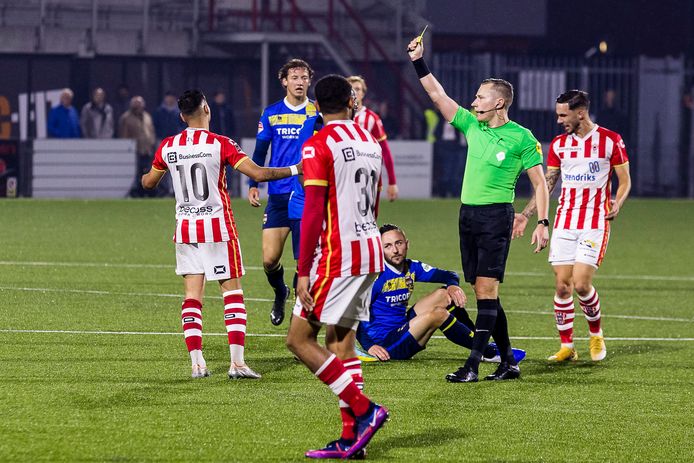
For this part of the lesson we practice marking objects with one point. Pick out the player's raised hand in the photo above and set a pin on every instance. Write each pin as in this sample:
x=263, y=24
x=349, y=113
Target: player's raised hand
x=614, y=210
x=379, y=352
x=457, y=295
x=415, y=49
x=254, y=197
x=540, y=238
x=304, y=296
x=519, y=223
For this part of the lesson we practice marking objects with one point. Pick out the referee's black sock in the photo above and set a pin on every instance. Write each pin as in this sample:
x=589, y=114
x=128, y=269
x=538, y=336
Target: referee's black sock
x=486, y=319
x=276, y=278
x=500, y=335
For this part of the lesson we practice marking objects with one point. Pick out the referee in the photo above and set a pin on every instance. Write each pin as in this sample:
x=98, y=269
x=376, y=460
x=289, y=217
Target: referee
x=498, y=150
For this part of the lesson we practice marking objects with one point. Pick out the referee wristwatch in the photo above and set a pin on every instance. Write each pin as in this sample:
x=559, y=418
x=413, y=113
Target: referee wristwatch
x=544, y=222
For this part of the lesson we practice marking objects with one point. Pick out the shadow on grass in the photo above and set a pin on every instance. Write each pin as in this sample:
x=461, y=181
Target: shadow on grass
x=427, y=439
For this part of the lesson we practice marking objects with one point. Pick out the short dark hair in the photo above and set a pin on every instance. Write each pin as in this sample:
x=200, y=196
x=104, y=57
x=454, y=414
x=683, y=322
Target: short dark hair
x=575, y=99
x=293, y=64
x=333, y=93
x=386, y=227
x=190, y=101
x=503, y=88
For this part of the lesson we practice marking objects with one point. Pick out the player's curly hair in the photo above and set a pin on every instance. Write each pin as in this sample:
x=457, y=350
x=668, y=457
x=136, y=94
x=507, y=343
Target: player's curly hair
x=333, y=94
x=386, y=227
x=575, y=99
x=190, y=101
x=293, y=64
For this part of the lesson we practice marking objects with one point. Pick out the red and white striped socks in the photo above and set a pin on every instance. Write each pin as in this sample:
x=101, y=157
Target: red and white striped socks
x=353, y=367
x=564, y=316
x=334, y=374
x=591, y=309
x=235, y=321
x=191, y=319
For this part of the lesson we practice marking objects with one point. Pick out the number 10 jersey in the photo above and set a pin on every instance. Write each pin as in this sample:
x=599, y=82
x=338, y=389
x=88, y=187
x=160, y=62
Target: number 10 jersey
x=347, y=160
x=196, y=160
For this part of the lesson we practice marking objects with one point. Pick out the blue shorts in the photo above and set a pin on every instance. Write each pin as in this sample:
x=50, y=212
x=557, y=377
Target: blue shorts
x=295, y=226
x=276, y=211
x=400, y=344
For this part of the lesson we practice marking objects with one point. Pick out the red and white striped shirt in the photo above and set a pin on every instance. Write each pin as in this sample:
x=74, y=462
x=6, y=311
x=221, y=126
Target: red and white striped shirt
x=586, y=171
x=346, y=159
x=196, y=160
x=371, y=122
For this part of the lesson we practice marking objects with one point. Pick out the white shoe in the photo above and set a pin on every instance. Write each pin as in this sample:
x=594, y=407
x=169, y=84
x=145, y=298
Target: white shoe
x=200, y=371
x=242, y=371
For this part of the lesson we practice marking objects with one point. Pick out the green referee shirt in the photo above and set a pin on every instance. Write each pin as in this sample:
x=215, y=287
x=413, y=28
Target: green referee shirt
x=495, y=158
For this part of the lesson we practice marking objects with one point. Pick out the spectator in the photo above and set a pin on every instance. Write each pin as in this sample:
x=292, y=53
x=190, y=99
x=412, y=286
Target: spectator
x=222, y=116
x=390, y=123
x=122, y=103
x=97, y=117
x=167, y=117
x=63, y=121
x=136, y=124
x=611, y=116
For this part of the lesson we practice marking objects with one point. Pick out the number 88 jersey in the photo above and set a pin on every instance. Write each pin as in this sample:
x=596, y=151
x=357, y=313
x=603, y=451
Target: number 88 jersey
x=347, y=160
x=586, y=169
x=196, y=160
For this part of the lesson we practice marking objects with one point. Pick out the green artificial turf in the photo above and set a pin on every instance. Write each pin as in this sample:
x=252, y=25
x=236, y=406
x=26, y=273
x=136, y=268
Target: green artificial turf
x=95, y=268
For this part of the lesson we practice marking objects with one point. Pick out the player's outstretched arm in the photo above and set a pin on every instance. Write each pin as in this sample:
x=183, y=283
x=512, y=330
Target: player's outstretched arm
x=265, y=174
x=624, y=179
x=445, y=104
x=152, y=178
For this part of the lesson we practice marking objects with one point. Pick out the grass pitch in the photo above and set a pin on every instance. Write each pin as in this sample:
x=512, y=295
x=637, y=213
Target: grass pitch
x=75, y=276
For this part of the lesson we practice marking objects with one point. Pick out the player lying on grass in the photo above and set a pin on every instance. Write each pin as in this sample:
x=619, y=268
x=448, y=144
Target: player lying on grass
x=397, y=332
x=207, y=243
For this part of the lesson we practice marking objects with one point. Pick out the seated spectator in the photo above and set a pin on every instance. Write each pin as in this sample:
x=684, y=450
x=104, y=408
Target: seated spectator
x=96, y=119
x=63, y=121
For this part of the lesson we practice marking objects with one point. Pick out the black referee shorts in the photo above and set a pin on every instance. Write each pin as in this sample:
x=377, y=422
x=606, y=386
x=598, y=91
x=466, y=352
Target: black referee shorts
x=485, y=239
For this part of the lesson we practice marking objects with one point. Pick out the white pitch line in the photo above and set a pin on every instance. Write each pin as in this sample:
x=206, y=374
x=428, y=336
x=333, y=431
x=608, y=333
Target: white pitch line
x=277, y=335
x=114, y=293
x=171, y=266
x=118, y=293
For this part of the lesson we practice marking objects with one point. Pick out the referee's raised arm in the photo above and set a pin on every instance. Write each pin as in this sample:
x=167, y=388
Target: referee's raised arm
x=445, y=104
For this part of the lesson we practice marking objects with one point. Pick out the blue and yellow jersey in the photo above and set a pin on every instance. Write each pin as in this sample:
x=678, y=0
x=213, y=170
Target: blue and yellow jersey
x=296, y=200
x=280, y=124
x=390, y=297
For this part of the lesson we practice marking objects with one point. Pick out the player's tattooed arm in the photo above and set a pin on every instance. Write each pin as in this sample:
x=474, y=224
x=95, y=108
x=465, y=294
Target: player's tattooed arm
x=551, y=177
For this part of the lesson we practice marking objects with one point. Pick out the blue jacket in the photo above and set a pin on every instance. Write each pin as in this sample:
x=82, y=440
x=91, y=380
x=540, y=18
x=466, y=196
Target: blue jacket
x=64, y=123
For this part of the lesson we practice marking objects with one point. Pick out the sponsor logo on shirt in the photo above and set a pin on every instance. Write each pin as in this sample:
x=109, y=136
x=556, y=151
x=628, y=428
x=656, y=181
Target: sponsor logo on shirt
x=579, y=178
x=204, y=210
x=288, y=131
x=260, y=127
x=309, y=152
x=194, y=155
x=348, y=154
x=500, y=156
x=171, y=157
x=365, y=227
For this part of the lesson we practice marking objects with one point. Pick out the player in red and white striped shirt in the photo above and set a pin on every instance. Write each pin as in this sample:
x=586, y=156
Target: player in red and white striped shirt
x=373, y=124
x=584, y=157
x=340, y=258
x=207, y=245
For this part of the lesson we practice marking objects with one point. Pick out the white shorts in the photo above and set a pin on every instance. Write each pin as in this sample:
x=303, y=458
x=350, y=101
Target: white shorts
x=342, y=301
x=568, y=247
x=218, y=261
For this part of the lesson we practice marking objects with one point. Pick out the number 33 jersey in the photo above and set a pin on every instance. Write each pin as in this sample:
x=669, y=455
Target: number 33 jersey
x=586, y=171
x=196, y=160
x=347, y=160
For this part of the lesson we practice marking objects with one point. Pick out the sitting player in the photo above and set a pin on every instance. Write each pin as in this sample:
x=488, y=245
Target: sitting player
x=398, y=333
